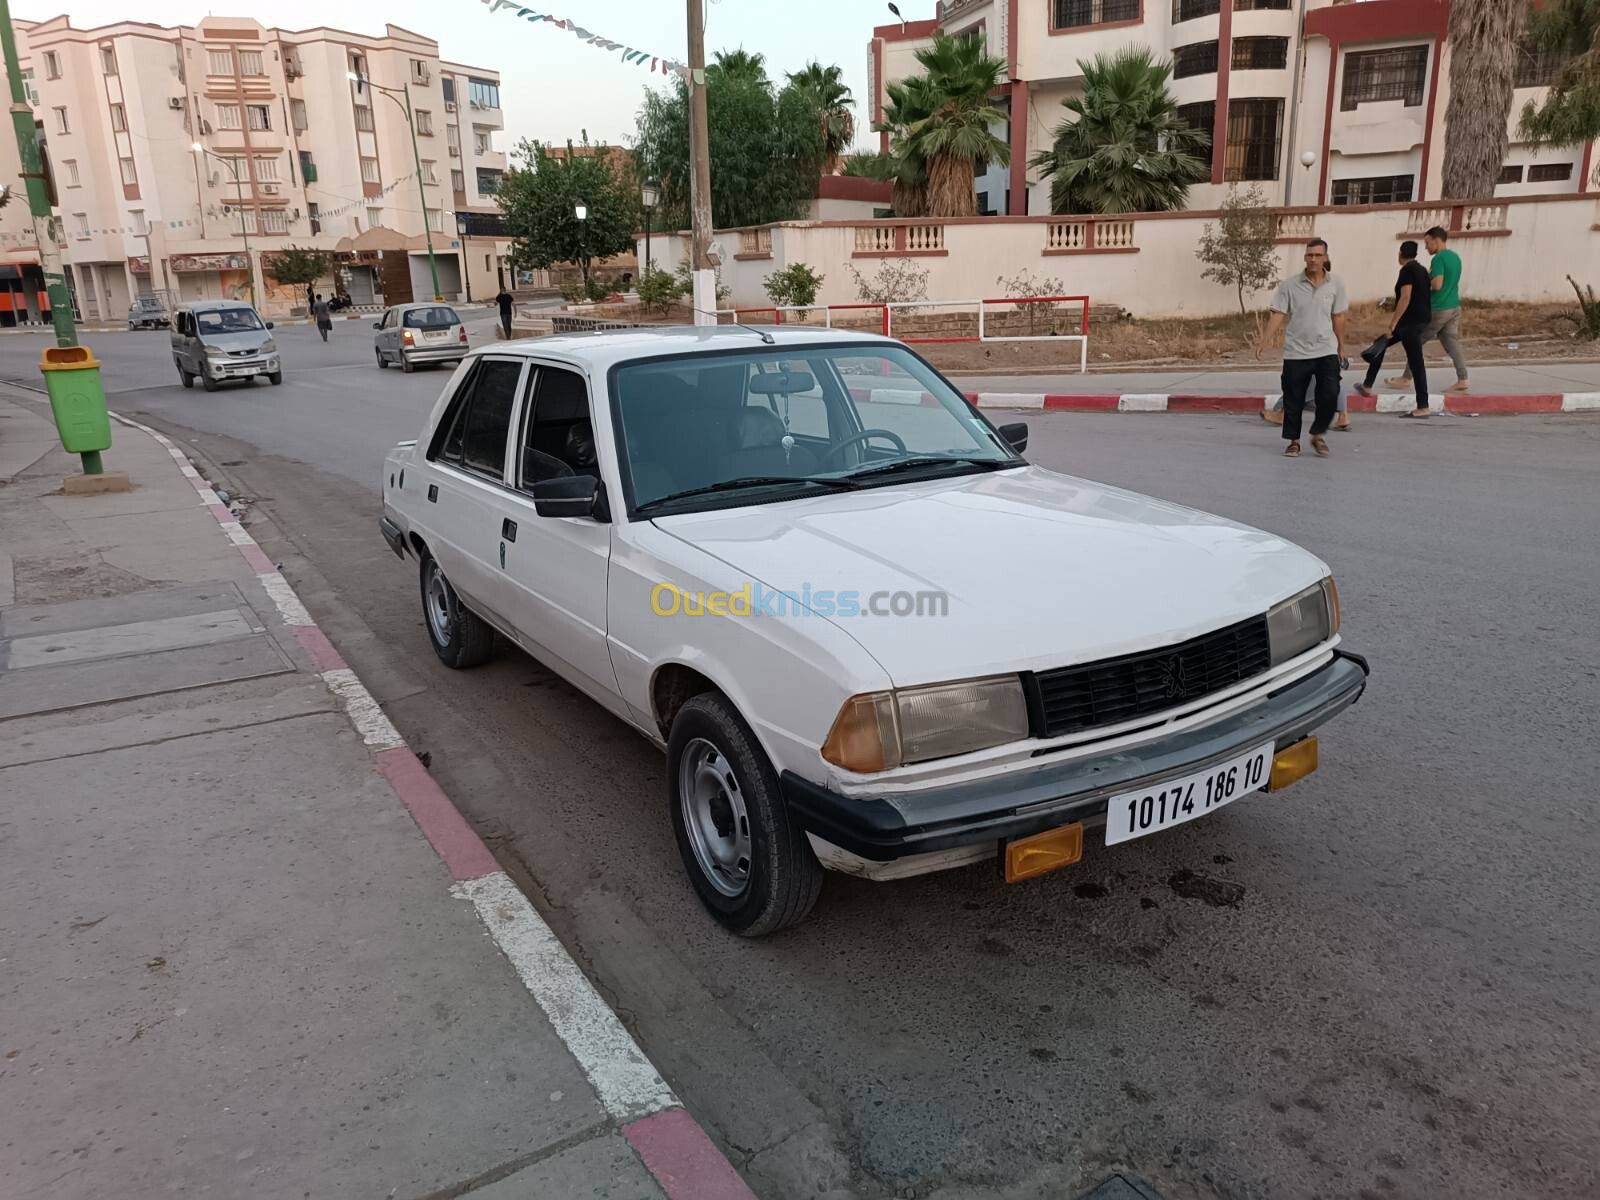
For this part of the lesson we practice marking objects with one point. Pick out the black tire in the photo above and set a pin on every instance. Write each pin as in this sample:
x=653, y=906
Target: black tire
x=207, y=382
x=405, y=363
x=185, y=378
x=383, y=363
x=783, y=877
x=275, y=378
x=467, y=640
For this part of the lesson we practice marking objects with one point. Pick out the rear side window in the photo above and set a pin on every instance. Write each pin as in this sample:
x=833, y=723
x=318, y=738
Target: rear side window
x=488, y=417
x=437, y=317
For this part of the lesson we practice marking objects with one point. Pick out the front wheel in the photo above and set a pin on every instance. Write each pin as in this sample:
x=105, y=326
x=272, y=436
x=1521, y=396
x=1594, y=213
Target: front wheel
x=275, y=378
x=383, y=363
x=207, y=382
x=460, y=638
x=750, y=863
x=185, y=378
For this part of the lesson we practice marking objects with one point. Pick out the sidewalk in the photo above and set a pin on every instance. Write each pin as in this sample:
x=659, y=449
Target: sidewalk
x=233, y=965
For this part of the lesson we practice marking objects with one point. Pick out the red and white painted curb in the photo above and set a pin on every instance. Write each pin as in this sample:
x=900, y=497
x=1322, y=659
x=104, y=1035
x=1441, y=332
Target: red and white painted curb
x=1552, y=402
x=668, y=1140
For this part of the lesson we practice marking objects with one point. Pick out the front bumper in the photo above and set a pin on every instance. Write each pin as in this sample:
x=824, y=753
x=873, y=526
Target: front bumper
x=882, y=829
x=242, y=368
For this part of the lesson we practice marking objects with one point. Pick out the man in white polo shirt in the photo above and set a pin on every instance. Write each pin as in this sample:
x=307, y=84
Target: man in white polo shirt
x=1309, y=312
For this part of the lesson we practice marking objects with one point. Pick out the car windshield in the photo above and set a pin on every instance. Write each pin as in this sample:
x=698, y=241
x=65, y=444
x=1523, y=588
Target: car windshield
x=228, y=320
x=438, y=316
x=713, y=430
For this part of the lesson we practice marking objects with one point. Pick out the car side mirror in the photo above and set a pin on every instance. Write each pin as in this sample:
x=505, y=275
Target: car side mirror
x=571, y=496
x=1015, y=435
x=269, y=324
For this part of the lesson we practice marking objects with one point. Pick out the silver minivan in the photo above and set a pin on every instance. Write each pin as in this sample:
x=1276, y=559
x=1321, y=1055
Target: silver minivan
x=410, y=334
x=218, y=340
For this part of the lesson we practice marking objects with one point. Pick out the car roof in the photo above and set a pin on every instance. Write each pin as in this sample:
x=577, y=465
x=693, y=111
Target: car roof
x=410, y=304
x=204, y=305
x=604, y=348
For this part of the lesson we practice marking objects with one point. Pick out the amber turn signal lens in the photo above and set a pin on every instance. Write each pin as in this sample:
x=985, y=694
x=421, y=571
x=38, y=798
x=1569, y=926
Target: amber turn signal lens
x=864, y=737
x=1043, y=852
x=1295, y=763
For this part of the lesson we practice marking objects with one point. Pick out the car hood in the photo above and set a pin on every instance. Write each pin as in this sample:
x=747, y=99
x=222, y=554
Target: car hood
x=248, y=339
x=1040, y=569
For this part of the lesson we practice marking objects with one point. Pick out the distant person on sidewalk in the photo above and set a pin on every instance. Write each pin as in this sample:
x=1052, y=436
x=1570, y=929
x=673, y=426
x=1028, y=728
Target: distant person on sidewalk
x=504, y=300
x=1444, y=270
x=324, y=318
x=1412, y=312
x=1309, y=314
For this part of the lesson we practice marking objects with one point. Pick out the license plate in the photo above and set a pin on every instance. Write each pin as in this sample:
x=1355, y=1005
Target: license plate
x=436, y=335
x=1174, y=801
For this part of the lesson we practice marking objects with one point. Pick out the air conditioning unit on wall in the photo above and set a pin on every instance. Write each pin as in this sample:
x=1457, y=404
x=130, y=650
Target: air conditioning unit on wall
x=269, y=189
x=175, y=102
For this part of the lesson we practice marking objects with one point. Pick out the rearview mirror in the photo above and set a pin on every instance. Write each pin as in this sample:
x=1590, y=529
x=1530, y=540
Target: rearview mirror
x=781, y=383
x=377, y=324
x=269, y=324
x=1015, y=435
x=571, y=496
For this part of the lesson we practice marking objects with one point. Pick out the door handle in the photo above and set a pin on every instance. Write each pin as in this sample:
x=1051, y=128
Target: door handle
x=508, y=529
x=433, y=493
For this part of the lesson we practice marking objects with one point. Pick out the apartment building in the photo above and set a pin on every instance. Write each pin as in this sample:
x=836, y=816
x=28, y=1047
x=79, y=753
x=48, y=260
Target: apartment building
x=295, y=152
x=1359, y=86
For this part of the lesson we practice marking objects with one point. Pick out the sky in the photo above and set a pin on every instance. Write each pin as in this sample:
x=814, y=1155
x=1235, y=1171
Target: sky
x=552, y=85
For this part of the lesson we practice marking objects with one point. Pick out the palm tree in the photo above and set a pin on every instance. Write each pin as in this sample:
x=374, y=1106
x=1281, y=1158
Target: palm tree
x=1570, y=112
x=907, y=102
x=953, y=126
x=825, y=88
x=1127, y=150
x=1485, y=37
x=740, y=64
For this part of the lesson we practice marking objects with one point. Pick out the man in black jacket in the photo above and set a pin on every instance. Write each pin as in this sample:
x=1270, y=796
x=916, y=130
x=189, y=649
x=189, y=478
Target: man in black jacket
x=1412, y=307
x=504, y=301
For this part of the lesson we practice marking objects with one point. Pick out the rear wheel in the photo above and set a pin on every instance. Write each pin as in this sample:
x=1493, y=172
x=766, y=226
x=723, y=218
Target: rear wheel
x=405, y=363
x=750, y=863
x=460, y=638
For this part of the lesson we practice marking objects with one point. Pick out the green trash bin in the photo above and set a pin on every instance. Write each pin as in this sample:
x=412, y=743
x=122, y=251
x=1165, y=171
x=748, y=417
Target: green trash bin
x=77, y=399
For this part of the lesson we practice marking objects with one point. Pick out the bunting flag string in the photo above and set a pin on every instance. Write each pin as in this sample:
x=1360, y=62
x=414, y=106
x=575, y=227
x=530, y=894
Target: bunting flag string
x=630, y=55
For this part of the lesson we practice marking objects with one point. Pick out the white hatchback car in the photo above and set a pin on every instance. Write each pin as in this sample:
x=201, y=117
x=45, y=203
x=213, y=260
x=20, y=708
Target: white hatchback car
x=867, y=633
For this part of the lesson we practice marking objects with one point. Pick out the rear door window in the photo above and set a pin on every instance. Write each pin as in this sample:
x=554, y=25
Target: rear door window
x=487, y=422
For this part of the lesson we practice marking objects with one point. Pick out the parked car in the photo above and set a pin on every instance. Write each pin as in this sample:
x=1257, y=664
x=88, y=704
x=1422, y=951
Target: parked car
x=147, y=312
x=410, y=334
x=868, y=634
x=219, y=340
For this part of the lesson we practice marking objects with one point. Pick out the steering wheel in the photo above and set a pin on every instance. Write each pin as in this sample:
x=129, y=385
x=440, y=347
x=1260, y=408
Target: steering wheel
x=834, y=452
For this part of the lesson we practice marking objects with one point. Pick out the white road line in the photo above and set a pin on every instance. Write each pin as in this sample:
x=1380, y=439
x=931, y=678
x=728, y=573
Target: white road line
x=1143, y=402
x=364, y=712
x=628, y=1085
x=289, y=606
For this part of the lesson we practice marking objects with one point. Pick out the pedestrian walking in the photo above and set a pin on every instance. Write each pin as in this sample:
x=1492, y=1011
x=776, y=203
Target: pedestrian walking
x=1412, y=310
x=324, y=318
x=1309, y=313
x=1444, y=323
x=1341, y=422
x=504, y=301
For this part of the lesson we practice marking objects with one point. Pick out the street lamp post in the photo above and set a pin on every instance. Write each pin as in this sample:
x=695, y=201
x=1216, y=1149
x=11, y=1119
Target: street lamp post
x=416, y=158
x=581, y=211
x=649, y=197
x=244, y=223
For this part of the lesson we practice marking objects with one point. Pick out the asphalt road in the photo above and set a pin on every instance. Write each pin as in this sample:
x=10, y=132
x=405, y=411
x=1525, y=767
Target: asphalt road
x=1381, y=984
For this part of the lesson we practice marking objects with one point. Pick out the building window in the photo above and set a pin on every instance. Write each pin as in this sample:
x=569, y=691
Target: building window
x=27, y=82
x=436, y=220
x=458, y=182
x=291, y=65
x=430, y=173
x=52, y=65
x=363, y=118
x=1076, y=14
x=1550, y=172
x=1255, y=134
x=108, y=60
x=1188, y=10
x=83, y=225
x=1253, y=5
x=369, y=170
x=447, y=85
x=1510, y=174
x=308, y=169
x=140, y=225
x=1380, y=189
x=452, y=137
x=70, y=166
x=219, y=62
x=228, y=117
x=485, y=94
x=250, y=63
x=297, y=114
x=314, y=215
x=267, y=169
x=483, y=143
x=1371, y=75
x=129, y=178
x=260, y=117
x=374, y=217
x=424, y=122
x=1198, y=59
x=488, y=181
x=419, y=71
x=274, y=220
x=358, y=66
x=61, y=121
x=1260, y=53
x=1538, y=66
x=119, y=118
x=1200, y=116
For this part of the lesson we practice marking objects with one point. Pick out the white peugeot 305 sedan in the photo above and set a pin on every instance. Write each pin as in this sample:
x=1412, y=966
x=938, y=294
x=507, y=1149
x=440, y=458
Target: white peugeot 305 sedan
x=867, y=633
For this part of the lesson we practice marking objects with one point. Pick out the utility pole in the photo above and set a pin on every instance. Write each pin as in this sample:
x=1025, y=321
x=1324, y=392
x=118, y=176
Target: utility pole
x=705, y=279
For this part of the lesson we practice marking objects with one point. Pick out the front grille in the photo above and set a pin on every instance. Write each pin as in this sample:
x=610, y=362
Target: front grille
x=1113, y=690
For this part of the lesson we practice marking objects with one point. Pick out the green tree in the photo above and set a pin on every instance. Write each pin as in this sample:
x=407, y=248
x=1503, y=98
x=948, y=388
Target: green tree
x=1485, y=38
x=907, y=102
x=1126, y=150
x=300, y=266
x=1570, y=113
x=659, y=290
x=540, y=197
x=765, y=145
x=794, y=287
x=1241, y=251
x=832, y=102
x=869, y=166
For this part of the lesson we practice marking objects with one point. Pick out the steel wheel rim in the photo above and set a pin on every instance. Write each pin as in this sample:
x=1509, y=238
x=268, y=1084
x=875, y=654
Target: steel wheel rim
x=438, y=606
x=715, y=817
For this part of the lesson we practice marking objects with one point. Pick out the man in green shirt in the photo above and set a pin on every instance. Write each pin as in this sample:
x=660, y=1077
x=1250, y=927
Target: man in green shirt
x=1444, y=270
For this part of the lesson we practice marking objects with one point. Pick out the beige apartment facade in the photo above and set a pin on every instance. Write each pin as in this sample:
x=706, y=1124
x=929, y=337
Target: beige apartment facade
x=1357, y=87
x=296, y=153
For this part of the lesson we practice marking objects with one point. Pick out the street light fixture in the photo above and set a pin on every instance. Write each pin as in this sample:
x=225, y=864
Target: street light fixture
x=416, y=157
x=649, y=197
x=244, y=226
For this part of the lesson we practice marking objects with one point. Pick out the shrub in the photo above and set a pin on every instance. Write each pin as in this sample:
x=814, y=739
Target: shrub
x=897, y=281
x=686, y=284
x=659, y=290
x=1586, y=317
x=1023, y=284
x=794, y=287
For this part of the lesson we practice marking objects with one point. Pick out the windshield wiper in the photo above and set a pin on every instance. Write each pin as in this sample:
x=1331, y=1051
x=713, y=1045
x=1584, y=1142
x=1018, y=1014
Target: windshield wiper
x=927, y=460
x=748, y=481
